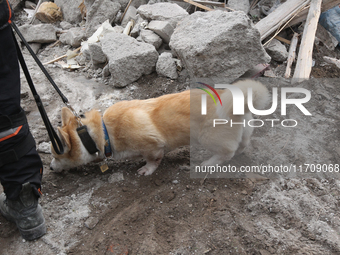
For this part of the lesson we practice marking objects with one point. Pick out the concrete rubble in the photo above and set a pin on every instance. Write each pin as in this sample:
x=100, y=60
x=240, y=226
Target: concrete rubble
x=42, y=33
x=150, y=37
x=131, y=14
x=70, y=10
x=212, y=44
x=166, y=66
x=128, y=58
x=277, y=50
x=97, y=55
x=163, y=11
x=100, y=11
x=163, y=28
x=74, y=36
x=217, y=44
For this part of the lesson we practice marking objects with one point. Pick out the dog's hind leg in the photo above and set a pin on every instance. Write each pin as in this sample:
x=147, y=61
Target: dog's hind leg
x=153, y=159
x=247, y=132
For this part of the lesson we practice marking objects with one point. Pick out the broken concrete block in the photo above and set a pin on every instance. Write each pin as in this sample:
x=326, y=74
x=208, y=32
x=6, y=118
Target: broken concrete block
x=139, y=24
x=163, y=11
x=163, y=28
x=70, y=10
x=277, y=50
x=73, y=37
x=129, y=15
x=150, y=37
x=65, y=25
x=97, y=55
x=218, y=44
x=42, y=33
x=100, y=11
x=35, y=47
x=239, y=5
x=128, y=58
x=166, y=66
x=106, y=71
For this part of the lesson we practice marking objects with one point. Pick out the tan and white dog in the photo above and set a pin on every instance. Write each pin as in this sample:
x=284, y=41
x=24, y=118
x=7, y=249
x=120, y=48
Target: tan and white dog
x=148, y=128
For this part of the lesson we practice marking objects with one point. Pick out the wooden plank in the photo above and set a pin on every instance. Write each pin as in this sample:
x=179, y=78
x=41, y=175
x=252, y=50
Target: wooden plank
x=304, y=62
x=218, y=4
x=279, y=16
x=198, y=5
x=291, y=54
x=284, y=40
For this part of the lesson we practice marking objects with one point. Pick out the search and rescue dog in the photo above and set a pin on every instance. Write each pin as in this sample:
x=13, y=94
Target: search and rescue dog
x=148, y=128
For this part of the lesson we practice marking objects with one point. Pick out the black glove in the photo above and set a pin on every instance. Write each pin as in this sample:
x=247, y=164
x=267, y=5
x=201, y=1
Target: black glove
x=6, y=13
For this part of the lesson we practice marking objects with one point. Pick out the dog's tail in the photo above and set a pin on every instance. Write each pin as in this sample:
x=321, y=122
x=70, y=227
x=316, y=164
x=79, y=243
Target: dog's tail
x=260, y=97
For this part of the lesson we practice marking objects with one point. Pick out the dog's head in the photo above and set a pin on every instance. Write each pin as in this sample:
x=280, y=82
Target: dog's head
x=75, y=154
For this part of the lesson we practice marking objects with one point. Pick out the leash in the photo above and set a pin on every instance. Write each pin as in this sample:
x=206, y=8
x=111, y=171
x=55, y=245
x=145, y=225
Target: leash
x=82, y=131
x=56, y=142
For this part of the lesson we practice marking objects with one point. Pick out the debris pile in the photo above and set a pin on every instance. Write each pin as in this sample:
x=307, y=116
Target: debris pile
x=129, y=39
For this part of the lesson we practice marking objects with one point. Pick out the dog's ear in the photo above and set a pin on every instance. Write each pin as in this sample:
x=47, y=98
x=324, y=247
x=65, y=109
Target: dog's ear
x=66, y=116
x=65, y=139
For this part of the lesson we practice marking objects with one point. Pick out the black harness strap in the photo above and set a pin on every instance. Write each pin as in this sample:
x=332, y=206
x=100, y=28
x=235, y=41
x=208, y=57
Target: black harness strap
x=56, y=142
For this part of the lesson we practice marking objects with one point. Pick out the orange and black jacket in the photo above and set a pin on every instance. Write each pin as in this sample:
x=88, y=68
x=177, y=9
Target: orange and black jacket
x=6, y=14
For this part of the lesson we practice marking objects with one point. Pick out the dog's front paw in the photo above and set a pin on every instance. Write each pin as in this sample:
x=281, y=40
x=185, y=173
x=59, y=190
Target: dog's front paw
x=146, y=170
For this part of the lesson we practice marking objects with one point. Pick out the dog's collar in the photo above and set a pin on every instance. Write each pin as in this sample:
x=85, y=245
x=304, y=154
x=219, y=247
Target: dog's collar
x=107, y=145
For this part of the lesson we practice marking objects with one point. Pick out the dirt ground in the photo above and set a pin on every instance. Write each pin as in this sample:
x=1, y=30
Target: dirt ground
x=120, y=212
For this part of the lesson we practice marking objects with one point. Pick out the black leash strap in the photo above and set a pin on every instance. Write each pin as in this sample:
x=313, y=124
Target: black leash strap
x=56, y=142
x=43, y=69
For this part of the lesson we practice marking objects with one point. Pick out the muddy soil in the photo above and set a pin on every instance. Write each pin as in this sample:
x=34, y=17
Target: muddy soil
x=120, y=212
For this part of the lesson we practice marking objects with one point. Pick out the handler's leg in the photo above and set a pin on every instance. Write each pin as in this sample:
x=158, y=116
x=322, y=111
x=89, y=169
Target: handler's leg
x=20, y=165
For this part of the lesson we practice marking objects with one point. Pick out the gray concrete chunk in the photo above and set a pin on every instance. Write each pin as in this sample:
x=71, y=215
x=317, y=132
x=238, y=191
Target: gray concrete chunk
x=97, y=54
x=70, y=10
x=100, y=11
x=163, y=28
x=73, y=37
x=42, y=33
x=128, y=58
x=239, y=5
x=277, y=50
x=150, y=37
x=218, y=44
x=131, y=14
x=166, y=66
x=163, y=11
